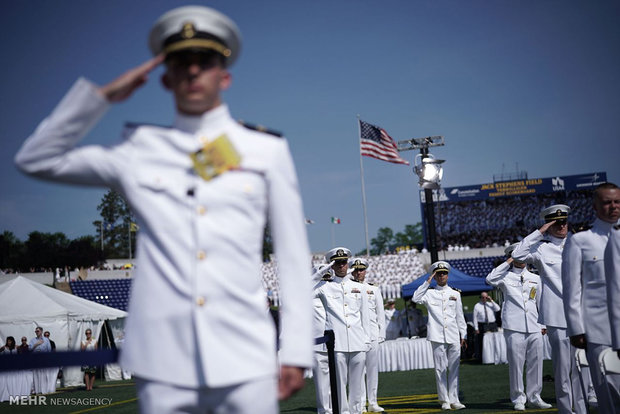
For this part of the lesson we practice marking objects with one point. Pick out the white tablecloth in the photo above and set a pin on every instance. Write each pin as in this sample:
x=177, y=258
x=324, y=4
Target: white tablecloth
x=494, y=348
x=405, y=354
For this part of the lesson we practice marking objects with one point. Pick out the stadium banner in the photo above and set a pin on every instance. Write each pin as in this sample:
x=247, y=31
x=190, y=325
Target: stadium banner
x=523, y=187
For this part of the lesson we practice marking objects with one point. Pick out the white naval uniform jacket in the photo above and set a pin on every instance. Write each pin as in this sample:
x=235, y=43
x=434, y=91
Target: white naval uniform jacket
x=585, y=292
x=376, y=315
x=197, y=283
x=521, y=289
x=545, y=252
x=347, y=313
x=446, y=322
x=612, y=279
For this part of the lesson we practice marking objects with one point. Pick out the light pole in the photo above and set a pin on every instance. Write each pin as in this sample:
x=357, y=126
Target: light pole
x=430, y=172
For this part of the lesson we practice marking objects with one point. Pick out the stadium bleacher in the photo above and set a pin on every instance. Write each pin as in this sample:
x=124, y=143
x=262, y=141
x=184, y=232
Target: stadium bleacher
x=476, y=266
x=109, y=292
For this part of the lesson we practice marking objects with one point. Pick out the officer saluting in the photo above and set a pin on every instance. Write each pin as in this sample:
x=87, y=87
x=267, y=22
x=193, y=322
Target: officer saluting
x=543, y=249
x=202, y=191
x=376, y=317
x=447, y=332
x=347, y=314
x=523, y=333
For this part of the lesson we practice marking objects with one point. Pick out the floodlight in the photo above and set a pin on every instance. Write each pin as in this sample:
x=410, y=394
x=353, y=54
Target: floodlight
x=429, y=170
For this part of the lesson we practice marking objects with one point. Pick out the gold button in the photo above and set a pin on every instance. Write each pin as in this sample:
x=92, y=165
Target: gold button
x=201, y=210
x=203, y=140
x=200, y=301
x=345, y=304
x=201, y=255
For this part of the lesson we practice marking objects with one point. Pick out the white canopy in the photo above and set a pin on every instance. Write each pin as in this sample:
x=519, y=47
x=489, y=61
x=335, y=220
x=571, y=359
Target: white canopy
x=25, y=304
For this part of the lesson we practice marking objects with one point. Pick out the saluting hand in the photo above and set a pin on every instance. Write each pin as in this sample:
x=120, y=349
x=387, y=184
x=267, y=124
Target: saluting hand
x=122, y=87
x=546, y=226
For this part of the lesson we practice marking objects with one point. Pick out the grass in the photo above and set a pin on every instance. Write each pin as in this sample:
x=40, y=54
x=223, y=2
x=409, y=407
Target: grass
x=484, y=389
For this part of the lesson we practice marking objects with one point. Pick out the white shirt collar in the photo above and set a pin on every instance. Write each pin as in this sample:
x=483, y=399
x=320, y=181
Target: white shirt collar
x=194, y=123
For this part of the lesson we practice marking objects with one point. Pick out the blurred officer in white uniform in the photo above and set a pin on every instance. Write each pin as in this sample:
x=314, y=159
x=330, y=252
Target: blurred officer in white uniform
x=392, y=320
x=585, y=291
x=412, y=320
x=202, y=191
x=377, y=333
x=446, y=330
x=347, y=314
x=484, y=320
x=523, y=333
x=543, y=249
x=320, y=368
x=612, y=279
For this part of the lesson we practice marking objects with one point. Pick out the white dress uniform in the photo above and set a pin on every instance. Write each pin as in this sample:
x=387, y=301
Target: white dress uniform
x=524, y=342
x=612, y=280
x=545, y=253
x=320, y=368
x=346, y=307
x=198, y=282
x=585, y=301
x=377, y=335
x=446, y=327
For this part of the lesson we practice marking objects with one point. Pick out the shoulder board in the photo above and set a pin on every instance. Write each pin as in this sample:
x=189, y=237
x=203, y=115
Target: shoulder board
x=545, y=241
x=580, y=227
x=371, y=284
x=260, y=128
x=453, y=288
x=617, y=227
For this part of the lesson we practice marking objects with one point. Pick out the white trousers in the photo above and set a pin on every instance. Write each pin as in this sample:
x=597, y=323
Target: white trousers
x=350, y=370
x=605, y=404
x=256, y=396
x=568, y=393
x=369, y=390
x=524, y=348
x=446, y=358
x=320, y=375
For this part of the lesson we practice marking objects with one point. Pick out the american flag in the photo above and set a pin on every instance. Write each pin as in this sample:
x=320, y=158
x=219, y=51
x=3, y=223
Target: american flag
x=376, y=143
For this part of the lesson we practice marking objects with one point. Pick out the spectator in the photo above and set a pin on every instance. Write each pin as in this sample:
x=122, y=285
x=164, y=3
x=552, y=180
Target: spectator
x=484, y=320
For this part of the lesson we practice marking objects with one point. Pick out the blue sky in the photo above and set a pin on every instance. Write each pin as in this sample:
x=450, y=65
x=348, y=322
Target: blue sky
x=528, y=83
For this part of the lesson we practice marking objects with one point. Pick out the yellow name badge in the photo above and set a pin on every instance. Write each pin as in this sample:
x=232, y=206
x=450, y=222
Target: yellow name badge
x=215, y=158
x=533, y=293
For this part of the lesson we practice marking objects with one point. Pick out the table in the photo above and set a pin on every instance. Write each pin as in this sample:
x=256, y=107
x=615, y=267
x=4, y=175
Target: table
x=404, y=354
x=494, y=348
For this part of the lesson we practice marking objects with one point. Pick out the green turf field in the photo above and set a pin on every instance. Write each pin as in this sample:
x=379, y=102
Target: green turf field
x=484, y=389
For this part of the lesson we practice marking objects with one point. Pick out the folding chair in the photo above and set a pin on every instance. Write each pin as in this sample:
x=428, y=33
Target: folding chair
x=610, y=364
x=582, y=362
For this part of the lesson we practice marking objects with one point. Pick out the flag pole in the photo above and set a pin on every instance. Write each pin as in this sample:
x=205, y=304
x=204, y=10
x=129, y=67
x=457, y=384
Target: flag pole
x=359, y=134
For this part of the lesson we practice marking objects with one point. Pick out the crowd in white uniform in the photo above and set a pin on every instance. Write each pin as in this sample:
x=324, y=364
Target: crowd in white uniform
x=389, y=272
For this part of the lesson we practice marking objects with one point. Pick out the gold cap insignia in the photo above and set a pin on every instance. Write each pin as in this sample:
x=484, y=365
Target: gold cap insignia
x=188, y=30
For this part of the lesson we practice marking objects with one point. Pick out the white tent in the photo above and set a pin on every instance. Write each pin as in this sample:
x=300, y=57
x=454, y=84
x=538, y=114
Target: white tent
x=25, y=304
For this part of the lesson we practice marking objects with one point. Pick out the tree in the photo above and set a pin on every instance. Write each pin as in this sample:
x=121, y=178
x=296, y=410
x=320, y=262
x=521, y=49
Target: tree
x=82, y=252
x=382, y=242
x=117, y=218
x=11, y=252
x=45, y=251
x=411, y=236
